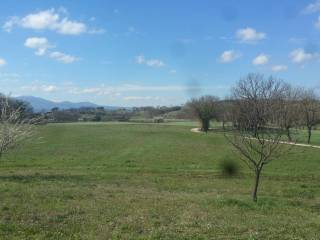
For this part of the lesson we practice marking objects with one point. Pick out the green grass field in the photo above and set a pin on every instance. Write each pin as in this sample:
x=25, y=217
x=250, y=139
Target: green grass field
x=149, y=181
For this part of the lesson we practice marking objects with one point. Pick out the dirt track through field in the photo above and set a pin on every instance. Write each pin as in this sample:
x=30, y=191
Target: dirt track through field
x=197, y=130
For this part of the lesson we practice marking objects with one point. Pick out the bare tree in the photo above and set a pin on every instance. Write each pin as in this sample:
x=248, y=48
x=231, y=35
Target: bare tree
x=290, y=110
x=205, y=109
x=310, y=110
x=256, y=138
x=14, y=128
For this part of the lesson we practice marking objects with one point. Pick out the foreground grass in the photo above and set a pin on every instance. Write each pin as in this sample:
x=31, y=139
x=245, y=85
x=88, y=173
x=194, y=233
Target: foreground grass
x=131, y=181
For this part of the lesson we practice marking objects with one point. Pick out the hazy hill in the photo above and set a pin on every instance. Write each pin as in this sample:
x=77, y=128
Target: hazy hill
x=40, y=104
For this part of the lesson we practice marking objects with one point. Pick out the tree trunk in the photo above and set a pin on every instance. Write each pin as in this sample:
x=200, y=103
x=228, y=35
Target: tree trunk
x=289, y=134
x=255, y=131
x=309, y=134
x=256, y=185
x=223, y=125
x=205, y=125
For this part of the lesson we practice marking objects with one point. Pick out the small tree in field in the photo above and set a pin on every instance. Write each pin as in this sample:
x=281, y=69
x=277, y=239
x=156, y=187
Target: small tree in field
x=14, y=127
x=205, y=109
x=259, y=105
x=310, y=110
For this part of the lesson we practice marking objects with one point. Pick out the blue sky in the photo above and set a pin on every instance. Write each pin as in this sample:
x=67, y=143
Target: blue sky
x=133, y=53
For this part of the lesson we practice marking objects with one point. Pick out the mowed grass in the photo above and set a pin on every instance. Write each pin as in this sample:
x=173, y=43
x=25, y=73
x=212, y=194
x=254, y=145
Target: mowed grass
x=135, y=181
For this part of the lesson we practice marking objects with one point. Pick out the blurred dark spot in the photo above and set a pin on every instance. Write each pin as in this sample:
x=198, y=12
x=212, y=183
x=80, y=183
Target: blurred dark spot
x=193, y=88
x=229, y=13
x=291, y=12
x=311, y=47
x=229, y=168
x=178, y=49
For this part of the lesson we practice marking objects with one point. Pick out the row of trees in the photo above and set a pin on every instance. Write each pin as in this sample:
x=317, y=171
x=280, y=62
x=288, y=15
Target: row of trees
x=300, y=108
x=262, y=111
x=101, y=114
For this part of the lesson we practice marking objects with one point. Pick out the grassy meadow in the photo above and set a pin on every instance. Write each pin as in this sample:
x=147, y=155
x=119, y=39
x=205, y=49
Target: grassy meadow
x=151, y=181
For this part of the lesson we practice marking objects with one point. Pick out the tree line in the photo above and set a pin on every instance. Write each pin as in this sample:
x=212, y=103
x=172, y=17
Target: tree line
x=100, y=114
x=256, y=101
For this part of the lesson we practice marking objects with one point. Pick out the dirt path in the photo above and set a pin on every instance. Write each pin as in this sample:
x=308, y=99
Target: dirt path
x=197, y=130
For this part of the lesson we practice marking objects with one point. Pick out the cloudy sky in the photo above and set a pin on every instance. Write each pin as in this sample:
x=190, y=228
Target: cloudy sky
x=143, y=52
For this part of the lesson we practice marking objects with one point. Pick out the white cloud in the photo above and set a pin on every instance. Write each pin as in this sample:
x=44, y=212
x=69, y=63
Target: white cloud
x=229, y=56
x=36, y=87
x=140, y=98
x=149, y=62
x=279, y=68
x=2, y=62
x=317, y=23
x=301, y=56
x=140, y=59
x=249, y=35
x=71, y=27
x=261, y=59
x=296, y=40
x=154, y=63
x=41, y=44
x=48, y=20
x=62, y=57
x=8, y=25
x=312, y=8
x=50, y=88
x=116, y=90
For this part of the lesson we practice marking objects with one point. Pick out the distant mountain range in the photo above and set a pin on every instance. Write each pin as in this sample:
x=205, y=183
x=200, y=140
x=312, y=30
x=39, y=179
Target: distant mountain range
x=40, y=104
